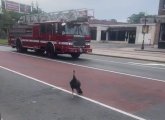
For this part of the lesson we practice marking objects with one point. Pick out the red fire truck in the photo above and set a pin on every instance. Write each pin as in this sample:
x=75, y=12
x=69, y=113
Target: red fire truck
x=64, y=32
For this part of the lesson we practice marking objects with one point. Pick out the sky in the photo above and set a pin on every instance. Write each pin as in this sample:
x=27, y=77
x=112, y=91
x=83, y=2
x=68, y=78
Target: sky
x=103, y=9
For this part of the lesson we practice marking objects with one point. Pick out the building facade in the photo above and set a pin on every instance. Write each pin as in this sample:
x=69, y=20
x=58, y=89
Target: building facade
x=160, y=25
x=161, y=10
x=15, y=6
x=123, y=33
x=132, y=33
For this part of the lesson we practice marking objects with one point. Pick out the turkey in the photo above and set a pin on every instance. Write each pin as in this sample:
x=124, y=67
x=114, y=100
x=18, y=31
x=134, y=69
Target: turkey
x=75, y=84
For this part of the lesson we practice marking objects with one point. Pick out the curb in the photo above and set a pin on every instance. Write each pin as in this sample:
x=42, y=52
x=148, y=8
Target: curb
x=150, y=51
x=5, y=45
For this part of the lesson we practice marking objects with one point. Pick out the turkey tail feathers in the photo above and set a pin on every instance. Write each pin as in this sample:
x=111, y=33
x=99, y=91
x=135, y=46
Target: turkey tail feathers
x=79, y=91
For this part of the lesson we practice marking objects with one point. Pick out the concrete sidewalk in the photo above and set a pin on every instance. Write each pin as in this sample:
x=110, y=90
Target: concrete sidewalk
x=132, y=51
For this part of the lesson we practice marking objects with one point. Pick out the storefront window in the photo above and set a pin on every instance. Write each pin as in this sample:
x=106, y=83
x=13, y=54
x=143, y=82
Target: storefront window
x=162, y=32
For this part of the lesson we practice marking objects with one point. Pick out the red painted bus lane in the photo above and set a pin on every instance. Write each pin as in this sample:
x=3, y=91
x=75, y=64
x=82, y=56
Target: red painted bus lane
x=128, y=93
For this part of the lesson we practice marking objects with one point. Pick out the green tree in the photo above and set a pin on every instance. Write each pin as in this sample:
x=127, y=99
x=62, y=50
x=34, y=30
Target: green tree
x=7, y=19
x=135, y=18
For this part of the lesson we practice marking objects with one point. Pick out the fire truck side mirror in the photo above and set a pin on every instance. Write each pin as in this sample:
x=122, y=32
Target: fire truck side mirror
x=63, y=24
x=63, y=27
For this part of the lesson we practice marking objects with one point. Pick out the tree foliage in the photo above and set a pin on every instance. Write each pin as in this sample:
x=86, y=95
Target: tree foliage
x=135, y=18
x=9, y=18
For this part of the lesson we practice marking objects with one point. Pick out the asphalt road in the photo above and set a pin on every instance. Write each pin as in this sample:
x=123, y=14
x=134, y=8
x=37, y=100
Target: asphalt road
x=148, y=69
x=22, y=98
x=118, y=83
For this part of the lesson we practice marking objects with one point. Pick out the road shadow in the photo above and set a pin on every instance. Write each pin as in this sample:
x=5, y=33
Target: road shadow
x=60, y=57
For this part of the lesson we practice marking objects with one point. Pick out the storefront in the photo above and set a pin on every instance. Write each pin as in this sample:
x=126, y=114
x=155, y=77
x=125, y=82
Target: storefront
x=126, y=33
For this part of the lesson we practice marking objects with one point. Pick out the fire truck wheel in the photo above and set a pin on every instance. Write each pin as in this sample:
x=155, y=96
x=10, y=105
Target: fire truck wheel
x=19, y=47
x=50, y=51
x=75, y=55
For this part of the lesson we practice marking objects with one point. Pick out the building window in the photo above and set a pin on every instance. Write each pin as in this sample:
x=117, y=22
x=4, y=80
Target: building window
x=43, y=28
x=103, y=35
x=163, y=4
x=162, y=32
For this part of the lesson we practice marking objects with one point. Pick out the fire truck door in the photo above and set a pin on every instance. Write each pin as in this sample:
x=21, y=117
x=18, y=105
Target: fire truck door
x=36, y=37
x=50, y=27
x=43, y=33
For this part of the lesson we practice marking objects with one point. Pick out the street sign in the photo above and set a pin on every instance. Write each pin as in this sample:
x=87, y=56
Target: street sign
x=145, y=29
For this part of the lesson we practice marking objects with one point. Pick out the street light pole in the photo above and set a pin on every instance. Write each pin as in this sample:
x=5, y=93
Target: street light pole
x=144, y=32
x=142, y=47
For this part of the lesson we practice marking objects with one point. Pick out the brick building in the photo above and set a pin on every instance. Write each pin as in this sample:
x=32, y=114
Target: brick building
x=161, y=10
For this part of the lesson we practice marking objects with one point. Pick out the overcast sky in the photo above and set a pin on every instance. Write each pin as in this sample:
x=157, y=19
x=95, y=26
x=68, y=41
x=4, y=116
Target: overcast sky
x=104, y=9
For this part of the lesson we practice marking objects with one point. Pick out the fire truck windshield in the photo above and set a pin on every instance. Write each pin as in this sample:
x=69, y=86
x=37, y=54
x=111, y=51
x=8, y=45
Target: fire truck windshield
x=77, y=29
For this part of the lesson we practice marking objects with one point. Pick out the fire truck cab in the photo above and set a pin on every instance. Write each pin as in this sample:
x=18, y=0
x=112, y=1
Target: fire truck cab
x=52, y=37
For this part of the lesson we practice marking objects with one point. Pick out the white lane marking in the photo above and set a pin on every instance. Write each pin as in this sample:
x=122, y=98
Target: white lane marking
x=133, y=63
x=149, y=65
x=156, y=64
x=91, y=100
x=129, y=63
x=153, y=79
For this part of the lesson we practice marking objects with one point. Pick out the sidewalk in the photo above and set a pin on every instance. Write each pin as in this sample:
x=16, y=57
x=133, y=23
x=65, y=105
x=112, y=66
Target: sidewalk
x=132, y=51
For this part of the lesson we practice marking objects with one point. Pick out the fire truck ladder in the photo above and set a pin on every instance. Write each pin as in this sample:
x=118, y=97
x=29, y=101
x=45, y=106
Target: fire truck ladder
x=81, y=15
